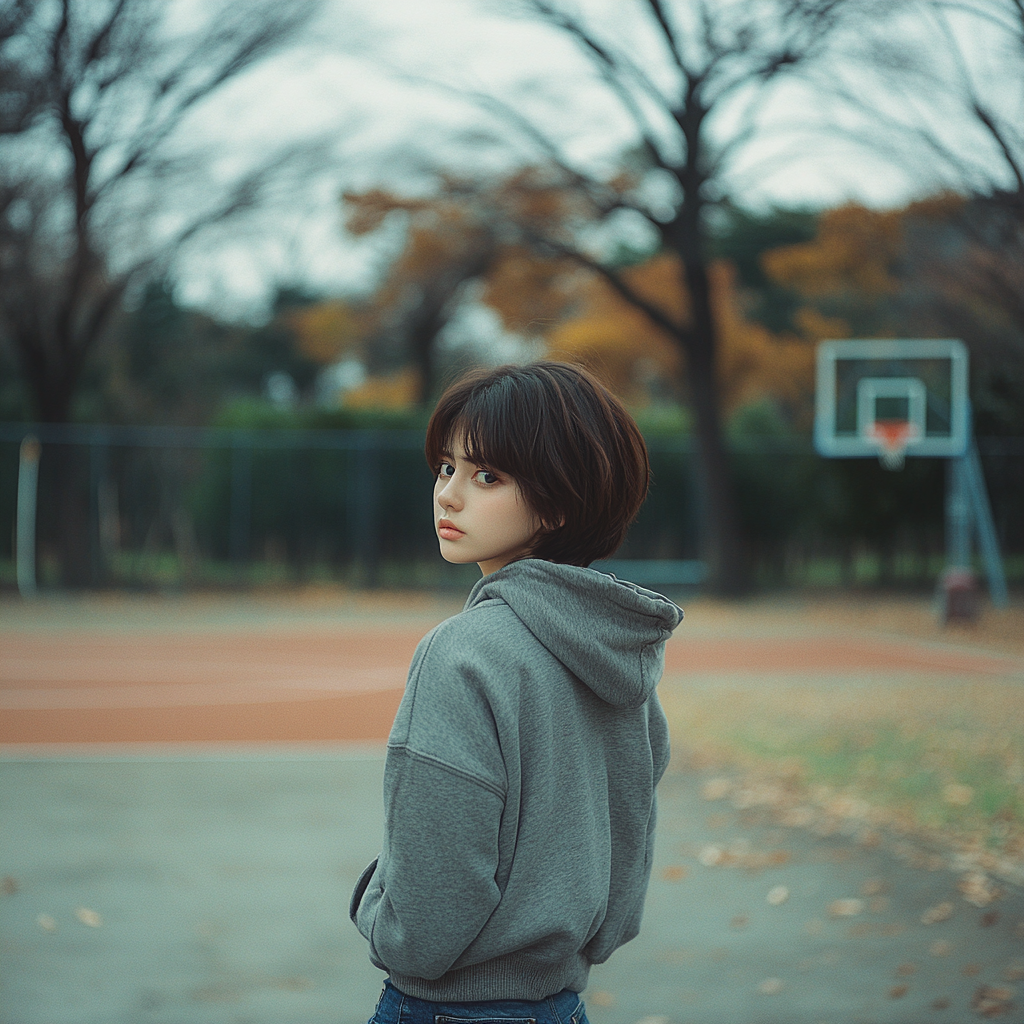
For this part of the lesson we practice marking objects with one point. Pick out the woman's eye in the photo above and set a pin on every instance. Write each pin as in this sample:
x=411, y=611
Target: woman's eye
x=446, y=469
x=485, y=476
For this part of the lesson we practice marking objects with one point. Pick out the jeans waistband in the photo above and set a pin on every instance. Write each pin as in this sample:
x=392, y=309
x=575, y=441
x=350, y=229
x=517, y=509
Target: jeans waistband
x=397, y=1008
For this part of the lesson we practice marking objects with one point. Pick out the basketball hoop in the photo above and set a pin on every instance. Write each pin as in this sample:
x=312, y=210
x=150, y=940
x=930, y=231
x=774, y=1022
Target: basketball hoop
x=892, y=438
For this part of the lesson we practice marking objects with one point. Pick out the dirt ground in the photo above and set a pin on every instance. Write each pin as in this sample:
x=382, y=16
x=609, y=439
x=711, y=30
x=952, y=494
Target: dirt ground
x=325, y=666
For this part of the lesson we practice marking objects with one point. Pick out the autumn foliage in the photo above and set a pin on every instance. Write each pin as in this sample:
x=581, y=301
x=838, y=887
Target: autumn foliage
x=619, y=342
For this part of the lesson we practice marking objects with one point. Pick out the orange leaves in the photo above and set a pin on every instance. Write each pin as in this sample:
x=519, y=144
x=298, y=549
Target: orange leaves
x=366, y=211
x=620, y=342
x=614, y=338
x=324, y=331
x=396, y=391
x=855, y=250
x=528, y=293
x=753, y=362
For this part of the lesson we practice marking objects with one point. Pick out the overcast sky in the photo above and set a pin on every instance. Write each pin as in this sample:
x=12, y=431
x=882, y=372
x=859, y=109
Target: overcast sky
x=349, y=82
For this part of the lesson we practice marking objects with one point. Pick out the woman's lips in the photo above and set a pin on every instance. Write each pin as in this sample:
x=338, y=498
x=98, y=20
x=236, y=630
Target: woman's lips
x=448, y=530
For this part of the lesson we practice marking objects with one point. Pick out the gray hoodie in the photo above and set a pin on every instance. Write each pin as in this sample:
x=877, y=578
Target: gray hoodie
x=519, y=788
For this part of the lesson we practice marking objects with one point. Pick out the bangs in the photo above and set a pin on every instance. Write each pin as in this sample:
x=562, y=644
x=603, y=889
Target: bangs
x=482, y=419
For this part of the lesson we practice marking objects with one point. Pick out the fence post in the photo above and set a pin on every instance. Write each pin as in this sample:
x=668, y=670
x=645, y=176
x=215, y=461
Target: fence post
x=364, y=506
x=28, y=481
x=98, y=451
x=241, y=501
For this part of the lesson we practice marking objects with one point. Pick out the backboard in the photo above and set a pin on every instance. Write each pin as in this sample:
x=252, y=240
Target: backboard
x=878, y=396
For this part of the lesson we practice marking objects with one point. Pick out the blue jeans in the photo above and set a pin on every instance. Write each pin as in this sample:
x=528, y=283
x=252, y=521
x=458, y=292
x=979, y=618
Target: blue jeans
x=395, y=1007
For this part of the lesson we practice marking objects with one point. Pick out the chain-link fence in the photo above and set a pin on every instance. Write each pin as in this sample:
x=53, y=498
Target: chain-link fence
x=155, y=506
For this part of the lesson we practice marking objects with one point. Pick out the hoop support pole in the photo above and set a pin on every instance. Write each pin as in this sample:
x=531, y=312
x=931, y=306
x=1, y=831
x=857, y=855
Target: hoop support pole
x=981, y=513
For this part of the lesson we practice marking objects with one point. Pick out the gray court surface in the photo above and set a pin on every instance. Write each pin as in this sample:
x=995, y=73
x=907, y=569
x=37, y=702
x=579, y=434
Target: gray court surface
x=212, y=887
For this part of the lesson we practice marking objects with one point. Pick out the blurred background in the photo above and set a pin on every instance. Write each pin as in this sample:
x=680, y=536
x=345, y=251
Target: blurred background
x=243, y=246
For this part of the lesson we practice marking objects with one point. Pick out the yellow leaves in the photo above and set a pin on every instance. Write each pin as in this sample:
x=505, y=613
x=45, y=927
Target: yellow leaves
x=395, y=391
x=855, y=250
x=815, y=326
x=621, y=343
x=324, y=331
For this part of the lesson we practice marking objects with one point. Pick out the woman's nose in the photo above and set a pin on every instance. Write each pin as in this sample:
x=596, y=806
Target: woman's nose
x=447, y=497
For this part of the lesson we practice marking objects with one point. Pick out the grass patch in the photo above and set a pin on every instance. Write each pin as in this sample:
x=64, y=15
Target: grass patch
x=940, y=758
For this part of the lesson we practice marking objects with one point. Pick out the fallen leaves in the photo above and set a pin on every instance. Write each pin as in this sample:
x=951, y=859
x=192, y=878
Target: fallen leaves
x=846, y=908
x=979, y=889
x=716, y=789
x=771, y=986
x=993, y=1000
x=675, y=873
x=957, y=795
x=740, y=855
x=940, y=912
x=928, y=768
x=8, y=885
x=777, y=896
x=89, y=917
x=46, y=922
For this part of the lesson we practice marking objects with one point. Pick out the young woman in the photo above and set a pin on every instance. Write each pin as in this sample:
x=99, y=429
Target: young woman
x=521, y=767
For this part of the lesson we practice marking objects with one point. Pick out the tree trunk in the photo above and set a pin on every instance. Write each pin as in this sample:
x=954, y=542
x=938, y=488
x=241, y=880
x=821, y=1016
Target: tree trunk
x=722, y=544
x=53, y=388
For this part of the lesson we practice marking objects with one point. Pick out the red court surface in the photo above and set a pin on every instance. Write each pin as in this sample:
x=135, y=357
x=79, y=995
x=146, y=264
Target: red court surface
x=328, y=678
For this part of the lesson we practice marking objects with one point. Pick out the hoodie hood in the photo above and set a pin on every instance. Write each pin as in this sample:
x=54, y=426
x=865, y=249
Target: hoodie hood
x=608, y=633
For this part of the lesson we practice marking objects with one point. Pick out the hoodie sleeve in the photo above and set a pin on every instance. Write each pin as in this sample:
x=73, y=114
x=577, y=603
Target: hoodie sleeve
x=434, y=886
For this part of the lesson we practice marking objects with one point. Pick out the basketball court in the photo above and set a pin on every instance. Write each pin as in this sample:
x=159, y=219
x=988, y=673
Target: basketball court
x=330, y=669
x=191, y=786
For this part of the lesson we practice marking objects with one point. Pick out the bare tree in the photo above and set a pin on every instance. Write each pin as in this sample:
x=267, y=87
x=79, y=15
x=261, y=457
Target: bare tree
x=691, y=78
x=19, y=93
x=102, y=181
x=940, y=89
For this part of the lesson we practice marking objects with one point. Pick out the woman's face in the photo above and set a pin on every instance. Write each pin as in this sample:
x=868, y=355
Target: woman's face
x=480, y=515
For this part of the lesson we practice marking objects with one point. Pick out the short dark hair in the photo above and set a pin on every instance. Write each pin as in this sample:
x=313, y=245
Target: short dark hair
x=576, y=453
